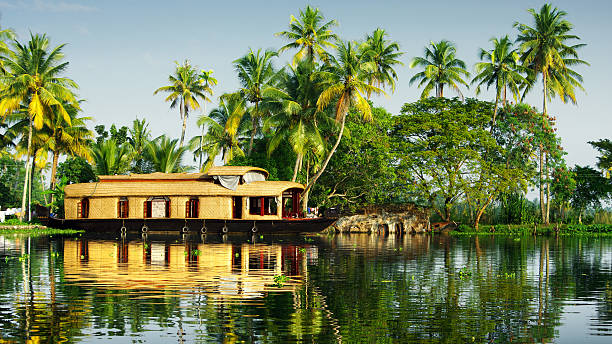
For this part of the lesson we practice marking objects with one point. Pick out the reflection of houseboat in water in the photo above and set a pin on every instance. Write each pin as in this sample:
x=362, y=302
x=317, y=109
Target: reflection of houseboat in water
x=225, y=199
x=221, y=270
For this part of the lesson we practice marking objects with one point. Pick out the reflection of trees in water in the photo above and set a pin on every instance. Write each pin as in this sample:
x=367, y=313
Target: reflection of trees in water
x=432, y=289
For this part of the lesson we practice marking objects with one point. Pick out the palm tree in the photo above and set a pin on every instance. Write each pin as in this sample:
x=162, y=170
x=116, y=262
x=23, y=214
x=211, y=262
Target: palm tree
x=440, y=67
x=206, y=78
x=297, y=119
x=5, y=35
x=310, y=35
x=33, y=79
x=226, y=125
x=140, y=135
x=546, y=49
x=383, y=54
x=500, y=68
x=165, y=156
x=345, y=84
x=111, y=158
x=73, y=139
x=184, y=91
x=259, y=80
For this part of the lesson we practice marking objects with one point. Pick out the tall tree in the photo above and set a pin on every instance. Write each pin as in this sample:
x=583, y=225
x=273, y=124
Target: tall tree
x=34, y=79
x=547, y=49
x=297, y=120
x=226, y=126
x=310, y=34
x=440, y=67
x=206, y=78
x=259, y=81
x=184, y=91
x=139, y=137
x=383, y=54
x=165, y=156
x=110, y=157
x=501, y=68
x=345, y=83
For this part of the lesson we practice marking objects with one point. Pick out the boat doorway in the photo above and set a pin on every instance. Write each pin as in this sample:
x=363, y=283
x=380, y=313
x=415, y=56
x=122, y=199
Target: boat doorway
x=237, y=207
x=291, y=203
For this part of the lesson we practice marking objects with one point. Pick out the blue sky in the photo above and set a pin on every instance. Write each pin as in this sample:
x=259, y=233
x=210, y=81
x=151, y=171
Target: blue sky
x=121, y=51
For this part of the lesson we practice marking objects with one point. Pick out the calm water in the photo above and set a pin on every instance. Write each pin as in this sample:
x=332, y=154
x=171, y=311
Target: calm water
x=352, y=289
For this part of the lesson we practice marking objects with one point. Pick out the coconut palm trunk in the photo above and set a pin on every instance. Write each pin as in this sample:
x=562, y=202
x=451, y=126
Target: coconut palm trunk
x=27, y=171
x=331, y=153
x=296, y=168
x=543, y=156
x=184, y=118
x=54, y=173
x=254, y=121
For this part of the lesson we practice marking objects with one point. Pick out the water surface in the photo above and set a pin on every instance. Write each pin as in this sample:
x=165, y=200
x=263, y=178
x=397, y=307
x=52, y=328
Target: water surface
x=315, y=289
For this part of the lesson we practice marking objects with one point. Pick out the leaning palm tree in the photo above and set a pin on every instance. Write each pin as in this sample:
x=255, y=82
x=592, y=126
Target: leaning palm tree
x=206, y=78
x=547, y=49
x=345, y=83
x=184, y=91
x=440, y=67
x=226, y=127
x=259, y=80
x=165, y=156
x=310, y=34
x=33, y=79
x=500, y=67
x=383, y=54
x=111, y=158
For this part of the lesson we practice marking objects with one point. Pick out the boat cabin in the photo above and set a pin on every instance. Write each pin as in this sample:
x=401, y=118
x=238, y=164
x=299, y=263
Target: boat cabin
x=224, y=192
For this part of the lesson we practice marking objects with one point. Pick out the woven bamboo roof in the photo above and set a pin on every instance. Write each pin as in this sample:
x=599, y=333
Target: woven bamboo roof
x=213, y=171
x=117, y=188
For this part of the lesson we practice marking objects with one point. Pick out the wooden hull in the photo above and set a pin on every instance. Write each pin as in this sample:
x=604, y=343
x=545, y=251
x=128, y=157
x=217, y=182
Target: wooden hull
x=307, y=225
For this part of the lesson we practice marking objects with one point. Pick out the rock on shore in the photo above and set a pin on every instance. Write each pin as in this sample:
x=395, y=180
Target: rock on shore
x=392, y=219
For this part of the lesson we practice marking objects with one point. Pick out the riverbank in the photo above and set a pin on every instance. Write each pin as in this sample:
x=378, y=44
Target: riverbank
x=15, y=227
x=551, y=229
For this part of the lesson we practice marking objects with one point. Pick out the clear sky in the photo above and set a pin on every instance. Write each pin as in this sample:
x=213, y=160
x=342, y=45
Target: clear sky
x=121, y=51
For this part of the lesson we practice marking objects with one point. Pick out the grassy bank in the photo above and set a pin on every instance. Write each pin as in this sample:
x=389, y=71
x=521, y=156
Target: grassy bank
x=552, y=229
x=16, y=227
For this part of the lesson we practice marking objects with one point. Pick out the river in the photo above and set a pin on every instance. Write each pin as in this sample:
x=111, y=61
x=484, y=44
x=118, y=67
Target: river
x=313, y=289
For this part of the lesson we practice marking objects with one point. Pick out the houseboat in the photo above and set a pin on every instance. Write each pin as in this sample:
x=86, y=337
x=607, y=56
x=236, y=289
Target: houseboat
x=224, y=199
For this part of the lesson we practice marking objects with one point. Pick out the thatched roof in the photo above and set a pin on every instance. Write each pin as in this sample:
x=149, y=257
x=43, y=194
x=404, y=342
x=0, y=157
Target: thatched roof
x=147, y=188
x=213, y=171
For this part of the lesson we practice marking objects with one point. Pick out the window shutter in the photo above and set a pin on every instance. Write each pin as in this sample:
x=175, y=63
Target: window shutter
x=145, y=209
x=187, y=208
x=126, y=211
x=119, y=214
x=167, y=208
x=196, y=207
x=79, y=209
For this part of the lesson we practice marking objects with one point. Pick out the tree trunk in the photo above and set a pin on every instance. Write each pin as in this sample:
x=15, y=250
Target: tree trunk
x=481, y=211
x=495, y=111
x=184, y=118
x=53, y=173
x=441, y=90
x=331, y=153
x=542, y=205
x=27, y=171
x=298, y=162
x=254, y=121
x=32, y=169
x=547, y=193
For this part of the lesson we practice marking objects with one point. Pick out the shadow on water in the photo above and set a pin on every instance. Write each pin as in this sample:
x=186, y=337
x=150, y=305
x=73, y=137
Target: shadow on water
x=342, y=288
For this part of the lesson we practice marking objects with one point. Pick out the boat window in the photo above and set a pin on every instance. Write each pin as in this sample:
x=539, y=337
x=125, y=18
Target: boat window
x=156, y=207
x=191, y=208
x=123, y=208
x=83, y=208
x=263, y=206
